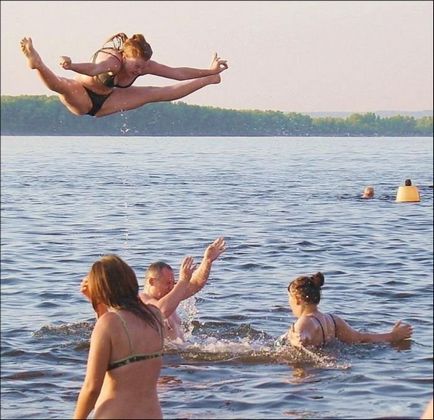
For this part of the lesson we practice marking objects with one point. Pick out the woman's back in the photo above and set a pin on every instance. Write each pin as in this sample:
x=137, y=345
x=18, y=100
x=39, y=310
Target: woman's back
x=135, y=359
x=315, y=329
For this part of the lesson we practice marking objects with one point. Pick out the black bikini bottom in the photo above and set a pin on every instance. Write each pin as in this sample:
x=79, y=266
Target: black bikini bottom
x=97, y=101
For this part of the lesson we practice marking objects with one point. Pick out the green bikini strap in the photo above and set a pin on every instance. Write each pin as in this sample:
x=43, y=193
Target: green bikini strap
x=124, y=324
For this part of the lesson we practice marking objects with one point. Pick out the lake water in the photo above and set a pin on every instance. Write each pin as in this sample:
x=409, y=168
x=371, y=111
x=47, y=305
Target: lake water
x=286, y=206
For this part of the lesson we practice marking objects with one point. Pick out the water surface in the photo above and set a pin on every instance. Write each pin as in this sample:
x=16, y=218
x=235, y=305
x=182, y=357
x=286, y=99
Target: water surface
x=286, y=206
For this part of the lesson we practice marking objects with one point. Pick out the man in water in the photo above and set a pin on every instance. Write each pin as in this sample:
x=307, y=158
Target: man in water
x=161, y=291
x=368, y=192
x=159, y=288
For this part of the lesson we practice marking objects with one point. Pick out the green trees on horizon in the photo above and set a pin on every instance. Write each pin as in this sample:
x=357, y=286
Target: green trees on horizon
x=45, y=115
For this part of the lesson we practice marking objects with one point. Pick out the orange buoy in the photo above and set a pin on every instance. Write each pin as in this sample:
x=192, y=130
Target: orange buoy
x=407, y=194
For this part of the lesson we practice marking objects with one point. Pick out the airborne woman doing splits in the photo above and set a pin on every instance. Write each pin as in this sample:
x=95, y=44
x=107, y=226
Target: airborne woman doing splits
x=104, y=86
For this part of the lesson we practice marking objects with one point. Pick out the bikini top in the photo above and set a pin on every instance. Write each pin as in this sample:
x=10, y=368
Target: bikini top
x=322, y=328
x=108, y=78
x=134, y=357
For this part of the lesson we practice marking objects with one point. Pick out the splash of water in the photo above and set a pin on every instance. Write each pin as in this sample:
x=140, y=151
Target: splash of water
x=188, y=310
x=256, y=348
x=241, y=348
x=125, y=244
x=124, y=129
x=70, y=335
x=68, y=329
x=126, y=210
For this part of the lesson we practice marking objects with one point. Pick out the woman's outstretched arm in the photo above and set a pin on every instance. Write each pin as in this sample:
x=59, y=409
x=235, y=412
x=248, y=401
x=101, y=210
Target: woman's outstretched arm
x=185, y=73
x=347, y=334
x=91, y=69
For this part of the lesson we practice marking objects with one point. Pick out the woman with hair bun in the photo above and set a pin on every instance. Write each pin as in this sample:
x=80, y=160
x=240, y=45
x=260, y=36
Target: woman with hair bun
x=104, y=86
x=314, y=328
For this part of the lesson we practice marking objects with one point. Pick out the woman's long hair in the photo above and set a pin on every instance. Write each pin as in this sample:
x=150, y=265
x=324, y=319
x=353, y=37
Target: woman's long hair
x=114, y=283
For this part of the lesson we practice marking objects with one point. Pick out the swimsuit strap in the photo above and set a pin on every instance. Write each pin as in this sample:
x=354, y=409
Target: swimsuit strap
x=161, y=328
x=334, y=322
x=111, y=76
x=129, y=84
x=322, y=329
x=104, y=50
x=134, y=358
x=107, y=78
x=124, y=324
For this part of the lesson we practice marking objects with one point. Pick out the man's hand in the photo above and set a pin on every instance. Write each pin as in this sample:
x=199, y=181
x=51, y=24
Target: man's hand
x=213, y=251
x=186, y=269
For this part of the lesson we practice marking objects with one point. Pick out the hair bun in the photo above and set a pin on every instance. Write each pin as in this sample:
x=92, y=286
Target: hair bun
x=138, y=37
x=318, y=279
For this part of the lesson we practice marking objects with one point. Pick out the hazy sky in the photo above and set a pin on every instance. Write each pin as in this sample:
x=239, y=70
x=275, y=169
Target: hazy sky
x=289, y=56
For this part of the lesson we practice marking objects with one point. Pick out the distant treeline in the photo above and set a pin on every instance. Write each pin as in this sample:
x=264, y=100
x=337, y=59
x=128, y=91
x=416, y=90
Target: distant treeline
x=45, y=115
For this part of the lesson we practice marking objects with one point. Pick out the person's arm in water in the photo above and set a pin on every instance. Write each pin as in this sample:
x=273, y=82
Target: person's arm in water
x=302, y=334
x=168, y=303
x=110, y=64
x=347, y=334
x=201, y=274
x=186, y=73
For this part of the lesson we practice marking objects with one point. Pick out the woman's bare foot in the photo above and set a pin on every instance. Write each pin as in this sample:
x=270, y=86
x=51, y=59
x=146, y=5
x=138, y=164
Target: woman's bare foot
x=33, y=59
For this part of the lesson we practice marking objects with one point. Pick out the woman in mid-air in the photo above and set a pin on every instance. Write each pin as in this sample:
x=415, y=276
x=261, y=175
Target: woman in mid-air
x=314, y=328
x=104, y=86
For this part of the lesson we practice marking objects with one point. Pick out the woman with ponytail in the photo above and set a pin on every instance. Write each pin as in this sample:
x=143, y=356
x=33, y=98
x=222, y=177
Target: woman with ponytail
x=126, y=345
x=104, y=86
x=315, y=328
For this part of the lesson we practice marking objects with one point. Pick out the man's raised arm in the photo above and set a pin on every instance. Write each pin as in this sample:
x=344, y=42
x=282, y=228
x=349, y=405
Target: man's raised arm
x=201, y=274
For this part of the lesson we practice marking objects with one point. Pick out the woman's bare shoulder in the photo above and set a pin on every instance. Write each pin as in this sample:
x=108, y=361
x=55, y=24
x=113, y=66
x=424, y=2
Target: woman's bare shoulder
x=304, y=321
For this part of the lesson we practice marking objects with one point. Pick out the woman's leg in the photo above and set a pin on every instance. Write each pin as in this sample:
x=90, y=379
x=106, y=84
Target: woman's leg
x=72, y=93
x=137, y=96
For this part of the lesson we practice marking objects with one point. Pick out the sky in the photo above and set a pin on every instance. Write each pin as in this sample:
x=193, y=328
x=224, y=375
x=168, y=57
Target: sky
x=289, y=56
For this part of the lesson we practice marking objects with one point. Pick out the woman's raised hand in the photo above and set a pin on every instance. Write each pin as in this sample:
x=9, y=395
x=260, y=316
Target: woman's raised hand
x=218, y=64
x=65, y=62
